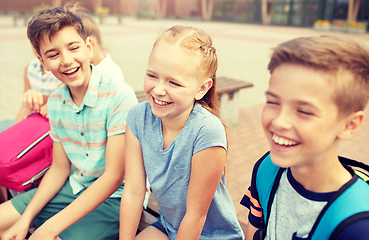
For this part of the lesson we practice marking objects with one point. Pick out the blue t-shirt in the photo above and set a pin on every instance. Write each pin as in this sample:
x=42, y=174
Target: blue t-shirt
x=169, y=170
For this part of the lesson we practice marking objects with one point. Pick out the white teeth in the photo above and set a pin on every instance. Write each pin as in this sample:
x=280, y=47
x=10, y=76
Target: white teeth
x=283, y=141
x=160, y=102
x=71, y=70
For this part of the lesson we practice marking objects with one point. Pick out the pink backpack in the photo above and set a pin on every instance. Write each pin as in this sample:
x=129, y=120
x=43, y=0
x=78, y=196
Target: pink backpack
x=25, y=153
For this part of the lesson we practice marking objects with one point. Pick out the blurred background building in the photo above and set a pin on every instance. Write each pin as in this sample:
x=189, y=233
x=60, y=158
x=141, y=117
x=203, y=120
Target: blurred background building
x=274, y=12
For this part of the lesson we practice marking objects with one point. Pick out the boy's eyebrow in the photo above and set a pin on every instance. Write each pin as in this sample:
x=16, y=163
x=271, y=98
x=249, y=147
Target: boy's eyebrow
x=271, y=94
x=54, y=49
x=50, y=50
x=297, y=102
x=306, y=103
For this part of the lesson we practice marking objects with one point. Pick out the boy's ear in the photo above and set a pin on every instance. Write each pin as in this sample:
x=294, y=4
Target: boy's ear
x=204, y=88
x=352, y=124
x=90, y=43
x=42, y=62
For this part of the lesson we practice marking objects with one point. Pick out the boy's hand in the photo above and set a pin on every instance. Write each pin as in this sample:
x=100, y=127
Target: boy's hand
x=18, y=231
x=33, y=99
x=43, y=233
x=43, y=111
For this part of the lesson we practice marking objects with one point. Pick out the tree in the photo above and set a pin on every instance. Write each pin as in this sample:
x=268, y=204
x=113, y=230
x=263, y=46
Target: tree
x=161, y=8
x=353, y=10
x=56, y=3
x=207, y=9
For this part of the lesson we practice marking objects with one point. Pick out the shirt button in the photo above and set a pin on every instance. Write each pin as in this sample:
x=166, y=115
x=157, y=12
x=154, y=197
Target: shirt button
x=82, y=134
x=86, y=154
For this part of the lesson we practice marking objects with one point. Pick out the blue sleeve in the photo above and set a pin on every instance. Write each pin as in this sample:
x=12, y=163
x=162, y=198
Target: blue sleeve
x=133, y=117
x=358, y=230
x=211, y=134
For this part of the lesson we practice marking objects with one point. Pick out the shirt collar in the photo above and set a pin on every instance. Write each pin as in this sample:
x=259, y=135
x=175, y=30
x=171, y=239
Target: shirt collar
x=91, y=94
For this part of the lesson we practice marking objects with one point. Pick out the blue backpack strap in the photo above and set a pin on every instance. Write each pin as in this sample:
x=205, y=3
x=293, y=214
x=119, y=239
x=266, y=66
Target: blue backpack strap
x=335, y=216
x=267, y=179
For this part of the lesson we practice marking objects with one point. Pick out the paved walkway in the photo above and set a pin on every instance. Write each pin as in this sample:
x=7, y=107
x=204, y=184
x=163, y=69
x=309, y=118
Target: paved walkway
x=243, y=51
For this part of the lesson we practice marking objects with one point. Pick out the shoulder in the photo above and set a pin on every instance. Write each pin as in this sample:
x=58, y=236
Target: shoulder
x=140, y=119
x=34, y=63
x=352, y=200
x=59, y=92
x=140, y=111
x=205, y=129
x=204, y=120
x=110, y=69
x=264, y=166
x=109, y=63
x=205, y=124
x=34, y=67
x=263, y=178
x=358, y=230
x=110, y=84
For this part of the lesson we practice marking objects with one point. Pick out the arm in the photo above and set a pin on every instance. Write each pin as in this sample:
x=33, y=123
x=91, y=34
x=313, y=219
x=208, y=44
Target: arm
x=250, y=231
x=206, y=172
x=33, y=100
x=43, y=109
x=52, y=182
x=255, y=208
x=134, y=188
x=93, y=196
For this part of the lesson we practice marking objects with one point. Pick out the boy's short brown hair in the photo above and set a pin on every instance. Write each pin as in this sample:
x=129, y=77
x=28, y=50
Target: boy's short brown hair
x=345, y=63
x=47, y=22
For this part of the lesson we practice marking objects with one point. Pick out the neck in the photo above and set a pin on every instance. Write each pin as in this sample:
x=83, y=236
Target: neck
x=173, y=124
x=171, y=127
x=43, y=69
x=324, y=175
x=79, y=93
x=98, y=56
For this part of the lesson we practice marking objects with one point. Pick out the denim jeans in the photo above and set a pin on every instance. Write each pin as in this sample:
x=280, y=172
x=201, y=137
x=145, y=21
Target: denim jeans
x=5, y=124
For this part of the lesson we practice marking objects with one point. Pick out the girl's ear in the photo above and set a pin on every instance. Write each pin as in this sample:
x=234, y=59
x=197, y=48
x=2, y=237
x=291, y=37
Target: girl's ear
x=42, y=62
x=90, y=43
x=204, y=88
x=352, y=124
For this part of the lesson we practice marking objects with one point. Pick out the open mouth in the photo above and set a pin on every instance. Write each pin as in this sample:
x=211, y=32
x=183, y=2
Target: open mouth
x=71, y=71
x=284, y=142
x=161, y=103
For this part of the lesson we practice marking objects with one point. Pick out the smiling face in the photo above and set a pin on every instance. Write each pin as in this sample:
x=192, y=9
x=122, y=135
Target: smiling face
x=300, y=118
x=171, y=81
x=66, y=55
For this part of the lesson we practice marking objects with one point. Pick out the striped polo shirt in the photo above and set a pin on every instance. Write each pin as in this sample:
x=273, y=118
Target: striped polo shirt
x=45, y=83
x=83, y=131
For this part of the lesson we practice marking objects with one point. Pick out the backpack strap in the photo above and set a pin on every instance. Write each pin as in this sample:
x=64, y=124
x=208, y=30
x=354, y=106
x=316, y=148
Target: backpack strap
x=266, y=175
x=335, y=216
x=357, y=164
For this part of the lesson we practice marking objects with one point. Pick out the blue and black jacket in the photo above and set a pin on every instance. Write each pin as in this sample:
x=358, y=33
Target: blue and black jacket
x=349, y=204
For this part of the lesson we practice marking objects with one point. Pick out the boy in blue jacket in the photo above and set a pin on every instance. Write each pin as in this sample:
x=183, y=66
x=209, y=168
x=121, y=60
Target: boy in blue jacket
x=318, y=89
